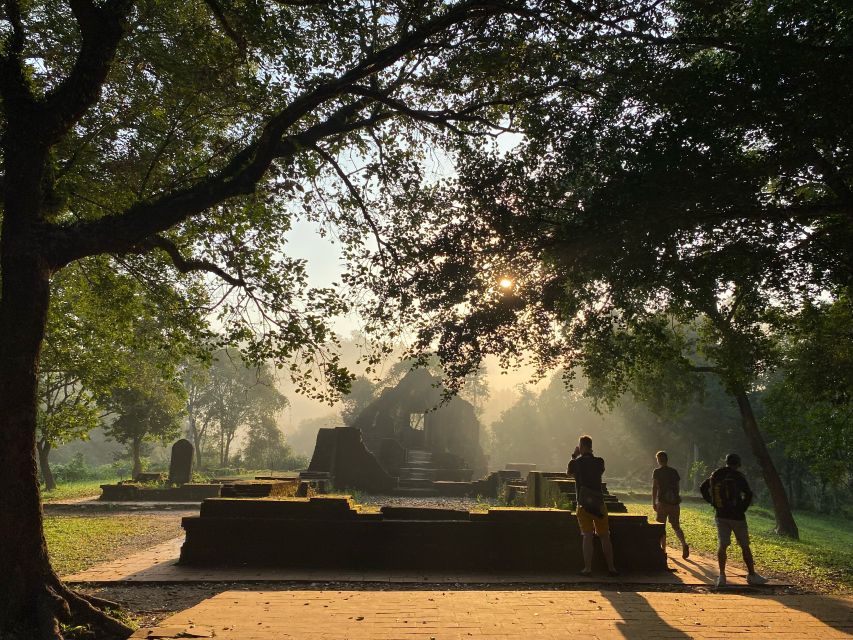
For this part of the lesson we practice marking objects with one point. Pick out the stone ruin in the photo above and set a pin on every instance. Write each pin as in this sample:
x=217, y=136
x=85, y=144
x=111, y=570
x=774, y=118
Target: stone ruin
x=554, y=490
x=400, y=446
x=324, y=532
x=154, y=487
x=407, y=441
x=180, y=488
x=412, y=416
x=181, y=463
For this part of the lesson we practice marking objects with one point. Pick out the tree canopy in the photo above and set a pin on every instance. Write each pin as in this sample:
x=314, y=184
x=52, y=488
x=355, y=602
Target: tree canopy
x=236, y=396
x=809, y=408
x=181, y=139
x=148, y=409
x=649, y=227
x=93, y=338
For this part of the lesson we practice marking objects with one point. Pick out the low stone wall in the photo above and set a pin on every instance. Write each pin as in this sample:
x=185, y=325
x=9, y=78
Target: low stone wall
x=554, y=489
x=260, y=488
x=522, y=467
x=129, y=492
x=331, y=533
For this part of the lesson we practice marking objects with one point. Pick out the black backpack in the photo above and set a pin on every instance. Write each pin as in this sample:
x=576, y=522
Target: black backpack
x=669, y=494
x=705, y=490
x=726, y=493
x=723, y=493
x=591, y=501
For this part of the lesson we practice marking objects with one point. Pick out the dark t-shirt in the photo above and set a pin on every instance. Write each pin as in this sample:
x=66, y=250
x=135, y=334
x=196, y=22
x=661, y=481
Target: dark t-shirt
x=744, y=493
x=667, y=479
x=587, y=470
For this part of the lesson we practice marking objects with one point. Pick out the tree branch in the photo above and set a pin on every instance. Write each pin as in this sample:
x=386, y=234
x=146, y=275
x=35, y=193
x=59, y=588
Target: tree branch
x=14, y=86
x=442, y=118
x=13, y=15
x=102, y=28
x=834, y=180
x=381, y=245
x=123, y=233
x=188, y=265
x=120, y=233
x=217, y=10
x=704, y=369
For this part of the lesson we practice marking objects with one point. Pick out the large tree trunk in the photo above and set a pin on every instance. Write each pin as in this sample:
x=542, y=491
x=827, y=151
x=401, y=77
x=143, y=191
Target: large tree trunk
x=135, y=446
x=785, y=524
x=44, y=464
x=198, y=437
x=199, y=451
x=228, y=439
x=33, y=600
x=192, y=432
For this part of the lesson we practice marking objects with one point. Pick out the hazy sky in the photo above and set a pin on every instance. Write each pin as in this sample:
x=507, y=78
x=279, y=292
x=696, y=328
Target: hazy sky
x=324, y=266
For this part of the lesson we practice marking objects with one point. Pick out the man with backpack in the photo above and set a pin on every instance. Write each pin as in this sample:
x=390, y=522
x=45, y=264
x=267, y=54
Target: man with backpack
x=587, y=470
x=666, y=501
x=729, y=492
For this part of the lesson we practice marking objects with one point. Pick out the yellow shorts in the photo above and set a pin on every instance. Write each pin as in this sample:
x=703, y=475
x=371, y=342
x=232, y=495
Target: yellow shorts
x=588, y=522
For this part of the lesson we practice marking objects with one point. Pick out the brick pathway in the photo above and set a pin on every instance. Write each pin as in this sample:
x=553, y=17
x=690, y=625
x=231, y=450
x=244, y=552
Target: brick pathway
x=386, y=615
x=158, y=564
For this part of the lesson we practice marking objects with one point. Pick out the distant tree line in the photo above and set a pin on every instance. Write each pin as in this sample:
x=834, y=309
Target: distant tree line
x=805, y=405
x=123, y=356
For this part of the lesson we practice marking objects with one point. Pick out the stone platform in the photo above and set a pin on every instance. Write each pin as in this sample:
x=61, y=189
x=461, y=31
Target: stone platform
x=323, y=533
x=136, y=492
x=260, y=487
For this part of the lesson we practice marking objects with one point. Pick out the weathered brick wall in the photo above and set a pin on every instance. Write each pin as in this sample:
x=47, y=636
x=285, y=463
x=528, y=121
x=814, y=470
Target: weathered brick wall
x=330, y=533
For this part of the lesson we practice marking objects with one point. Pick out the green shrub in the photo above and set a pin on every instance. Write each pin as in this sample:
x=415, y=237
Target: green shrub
x=77, y=469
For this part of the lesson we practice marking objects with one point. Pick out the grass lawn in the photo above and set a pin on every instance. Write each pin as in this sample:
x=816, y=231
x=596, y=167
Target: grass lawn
x=76, y=543
x=822, y=558
x=72, y=490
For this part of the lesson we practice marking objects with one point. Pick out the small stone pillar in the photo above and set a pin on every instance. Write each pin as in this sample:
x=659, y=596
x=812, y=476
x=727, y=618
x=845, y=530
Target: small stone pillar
x=181, y=465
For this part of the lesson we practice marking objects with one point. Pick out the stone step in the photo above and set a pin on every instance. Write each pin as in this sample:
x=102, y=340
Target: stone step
x=417, y=455
x=415, y=483
x=314, y=475
x=417, y=473
x=415, y=478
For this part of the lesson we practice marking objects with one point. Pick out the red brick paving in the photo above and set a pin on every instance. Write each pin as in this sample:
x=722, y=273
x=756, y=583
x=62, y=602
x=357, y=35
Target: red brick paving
x=508, y=615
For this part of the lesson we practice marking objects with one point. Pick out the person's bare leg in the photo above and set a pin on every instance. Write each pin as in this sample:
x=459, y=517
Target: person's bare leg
x=747, y=559
x=675, y=521
x=607, y=550
x=587, y=552
x=662, y=521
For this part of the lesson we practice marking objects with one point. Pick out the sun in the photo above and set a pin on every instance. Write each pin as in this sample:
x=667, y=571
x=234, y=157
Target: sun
x=505, y=283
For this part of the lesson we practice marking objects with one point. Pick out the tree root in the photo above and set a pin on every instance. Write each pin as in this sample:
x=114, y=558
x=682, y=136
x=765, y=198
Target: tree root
x=57, y=605
x=90, y=610
x=100, y=603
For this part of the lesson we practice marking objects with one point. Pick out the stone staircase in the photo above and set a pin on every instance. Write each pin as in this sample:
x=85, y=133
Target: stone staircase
x=417, y=474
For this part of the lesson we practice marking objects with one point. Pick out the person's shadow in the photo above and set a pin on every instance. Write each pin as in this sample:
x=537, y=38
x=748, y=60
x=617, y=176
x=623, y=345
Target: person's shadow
x=639, y=617
x=834, y=612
